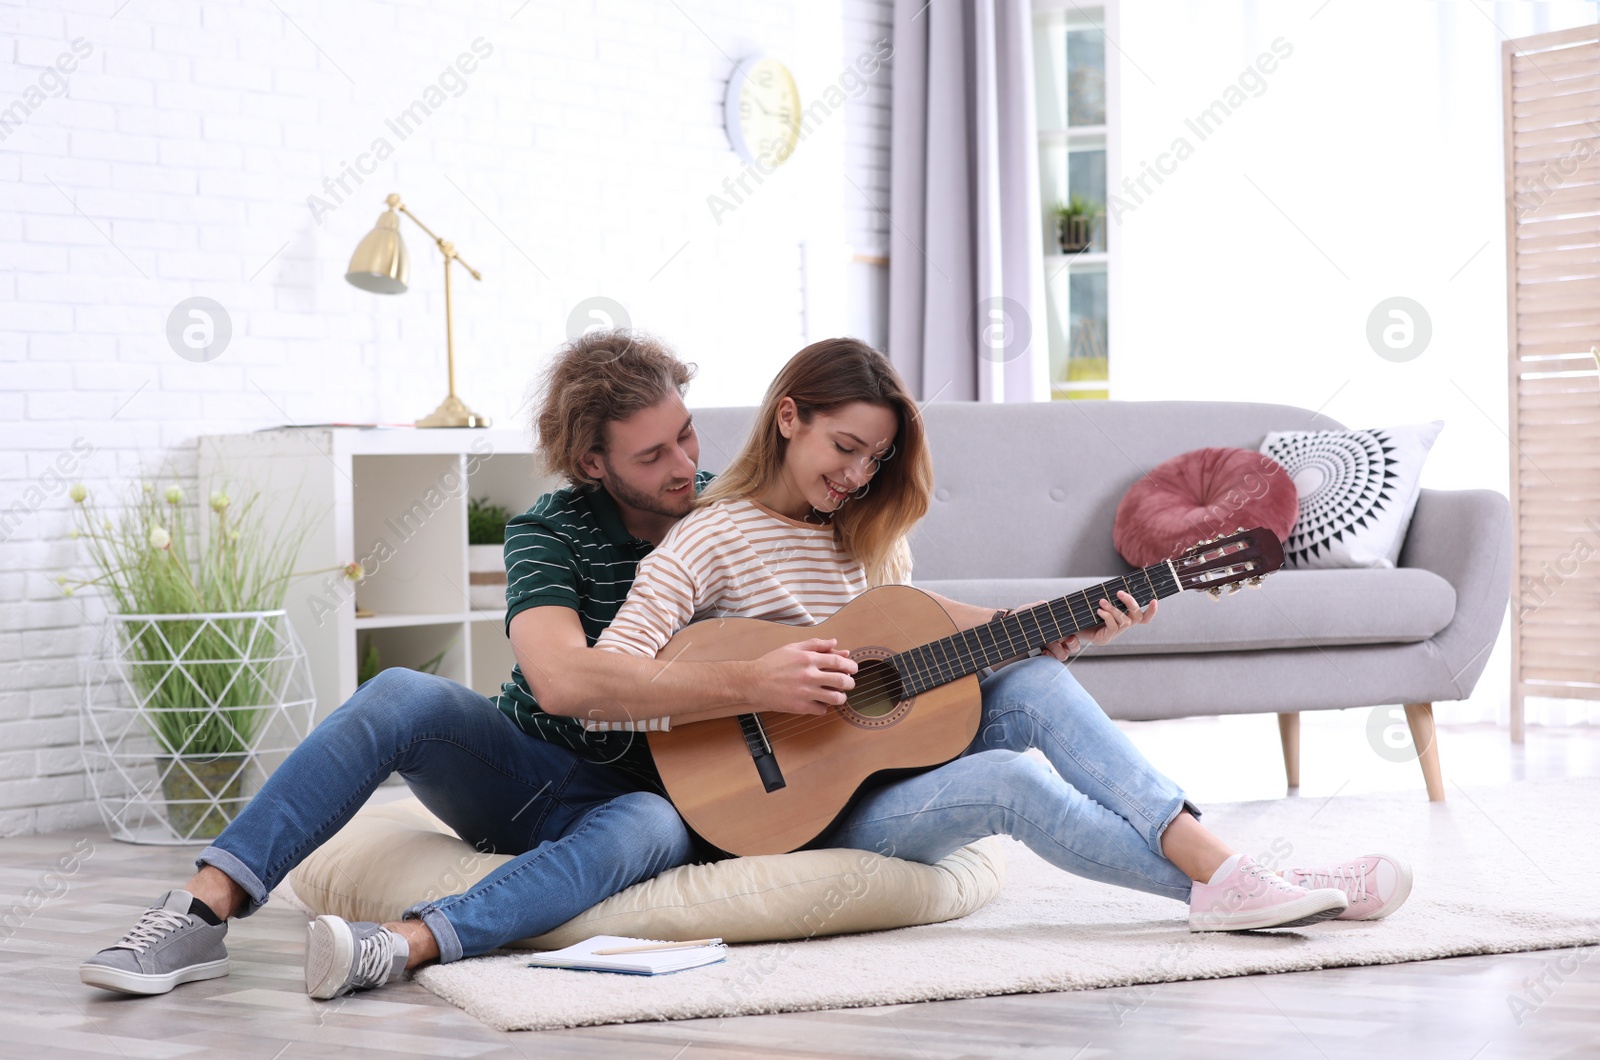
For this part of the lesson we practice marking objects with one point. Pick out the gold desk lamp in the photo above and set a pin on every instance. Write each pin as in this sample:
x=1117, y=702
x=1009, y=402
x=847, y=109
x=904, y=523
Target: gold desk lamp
x=382, y=266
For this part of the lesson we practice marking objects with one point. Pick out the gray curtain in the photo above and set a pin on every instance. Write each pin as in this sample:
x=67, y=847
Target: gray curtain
x=966, y=264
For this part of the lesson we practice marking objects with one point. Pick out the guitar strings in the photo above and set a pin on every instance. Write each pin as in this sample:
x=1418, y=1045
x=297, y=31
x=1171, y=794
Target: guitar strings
x=881, y=685
x=888, y=677
x=796, y=725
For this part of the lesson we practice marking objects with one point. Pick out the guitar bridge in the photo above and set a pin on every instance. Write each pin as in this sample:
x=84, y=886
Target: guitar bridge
x=755, y=738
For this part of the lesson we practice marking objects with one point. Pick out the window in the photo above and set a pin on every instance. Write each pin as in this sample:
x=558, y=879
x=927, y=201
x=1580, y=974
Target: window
x=1077, y=113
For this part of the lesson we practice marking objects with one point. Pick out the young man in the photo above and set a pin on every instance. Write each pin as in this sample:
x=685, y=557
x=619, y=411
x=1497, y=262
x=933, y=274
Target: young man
x=517, y=774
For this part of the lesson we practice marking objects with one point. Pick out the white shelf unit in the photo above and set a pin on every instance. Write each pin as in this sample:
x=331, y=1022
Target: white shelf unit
x=395, y=500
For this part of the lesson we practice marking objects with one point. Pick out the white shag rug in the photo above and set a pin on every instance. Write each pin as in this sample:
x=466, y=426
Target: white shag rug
x=1497, y=870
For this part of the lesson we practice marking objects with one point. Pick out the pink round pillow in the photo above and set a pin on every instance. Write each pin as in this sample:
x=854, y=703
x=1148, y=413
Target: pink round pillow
x=1199, y=495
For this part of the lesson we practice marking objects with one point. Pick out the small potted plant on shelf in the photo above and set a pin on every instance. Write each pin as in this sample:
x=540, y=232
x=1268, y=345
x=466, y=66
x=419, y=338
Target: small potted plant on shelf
x=199, y=675
x=371, y=664
x=1079, y=218
x=486, y=566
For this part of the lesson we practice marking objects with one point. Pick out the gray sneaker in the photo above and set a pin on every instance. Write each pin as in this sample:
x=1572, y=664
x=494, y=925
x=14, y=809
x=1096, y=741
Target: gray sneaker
x=170, y=944
x=341, y=956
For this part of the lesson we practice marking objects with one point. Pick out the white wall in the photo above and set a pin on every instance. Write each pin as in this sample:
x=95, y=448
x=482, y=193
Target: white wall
x=576, y=160
x=1369, y=166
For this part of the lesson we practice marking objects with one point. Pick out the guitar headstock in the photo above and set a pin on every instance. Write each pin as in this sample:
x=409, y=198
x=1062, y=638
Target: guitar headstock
x=1225, y=562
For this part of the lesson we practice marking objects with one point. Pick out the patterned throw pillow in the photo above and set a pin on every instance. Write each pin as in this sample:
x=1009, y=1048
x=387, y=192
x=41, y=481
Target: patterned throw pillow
x=1357, y=492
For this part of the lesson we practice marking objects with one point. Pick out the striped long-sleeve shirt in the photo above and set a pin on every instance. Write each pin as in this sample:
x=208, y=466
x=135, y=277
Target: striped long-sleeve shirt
x=731, y=559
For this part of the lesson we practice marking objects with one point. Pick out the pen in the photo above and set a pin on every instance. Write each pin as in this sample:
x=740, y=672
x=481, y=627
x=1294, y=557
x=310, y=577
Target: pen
x=660, y=946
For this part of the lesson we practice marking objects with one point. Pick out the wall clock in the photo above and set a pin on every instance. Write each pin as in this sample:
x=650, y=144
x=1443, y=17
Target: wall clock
x=761, y=111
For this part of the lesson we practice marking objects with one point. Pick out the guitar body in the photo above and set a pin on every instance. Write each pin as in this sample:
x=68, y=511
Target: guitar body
x=710, y=770
x=771, y=783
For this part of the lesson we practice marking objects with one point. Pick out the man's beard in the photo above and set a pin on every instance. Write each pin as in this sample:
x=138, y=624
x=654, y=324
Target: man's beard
x=655, y=504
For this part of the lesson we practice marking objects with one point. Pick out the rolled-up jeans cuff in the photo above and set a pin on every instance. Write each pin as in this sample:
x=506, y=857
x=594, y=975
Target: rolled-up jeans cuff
x=444, y=933
x=1179, y=804
x=239, y=873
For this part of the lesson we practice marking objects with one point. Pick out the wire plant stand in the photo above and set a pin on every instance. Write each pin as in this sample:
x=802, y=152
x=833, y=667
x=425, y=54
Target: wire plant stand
x=185, y=715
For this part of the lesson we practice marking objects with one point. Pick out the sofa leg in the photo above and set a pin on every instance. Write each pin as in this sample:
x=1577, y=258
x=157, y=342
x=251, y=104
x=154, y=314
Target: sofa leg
x=1420, y=717
x=1289, y=733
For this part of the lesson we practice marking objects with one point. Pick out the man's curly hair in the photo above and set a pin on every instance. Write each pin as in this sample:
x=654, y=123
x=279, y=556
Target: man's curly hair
x=600, y=376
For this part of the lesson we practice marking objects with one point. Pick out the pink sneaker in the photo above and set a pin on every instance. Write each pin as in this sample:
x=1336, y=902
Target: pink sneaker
x=1251, y=897
x=1375, y=884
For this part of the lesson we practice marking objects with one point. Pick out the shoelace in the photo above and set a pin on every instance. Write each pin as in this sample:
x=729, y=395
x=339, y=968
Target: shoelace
x=377, y=957
x=1265, y=875
x=155, y=925
x=1352, y=881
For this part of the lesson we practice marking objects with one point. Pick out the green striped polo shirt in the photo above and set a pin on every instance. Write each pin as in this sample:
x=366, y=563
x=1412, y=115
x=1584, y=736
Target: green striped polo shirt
x=571, y=550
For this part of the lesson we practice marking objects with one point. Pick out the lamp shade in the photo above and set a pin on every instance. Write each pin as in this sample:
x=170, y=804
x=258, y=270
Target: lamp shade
x=380, y=263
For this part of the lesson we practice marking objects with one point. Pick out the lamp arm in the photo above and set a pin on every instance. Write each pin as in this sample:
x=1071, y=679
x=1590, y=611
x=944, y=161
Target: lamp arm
x=445, y=247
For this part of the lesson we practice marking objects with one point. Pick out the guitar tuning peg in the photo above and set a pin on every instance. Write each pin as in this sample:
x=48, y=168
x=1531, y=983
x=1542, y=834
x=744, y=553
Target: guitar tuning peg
x=1233, y=588
x=1238, y=529
x=1215, y=592
x=1255, y=583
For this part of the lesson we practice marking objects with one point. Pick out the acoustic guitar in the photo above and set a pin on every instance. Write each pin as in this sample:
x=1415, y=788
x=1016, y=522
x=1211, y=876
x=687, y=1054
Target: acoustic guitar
x=769, y=783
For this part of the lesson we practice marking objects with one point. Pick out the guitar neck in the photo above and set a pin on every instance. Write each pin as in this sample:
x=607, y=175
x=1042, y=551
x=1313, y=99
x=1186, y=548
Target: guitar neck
x=942, y=661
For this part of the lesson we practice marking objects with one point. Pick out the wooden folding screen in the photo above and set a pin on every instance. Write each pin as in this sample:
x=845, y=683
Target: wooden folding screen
x=1552, y=152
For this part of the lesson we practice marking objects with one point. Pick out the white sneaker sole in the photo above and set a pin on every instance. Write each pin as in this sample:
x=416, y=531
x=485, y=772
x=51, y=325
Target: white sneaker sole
x=1314, y=908
x=126, y=982
x=330, y=950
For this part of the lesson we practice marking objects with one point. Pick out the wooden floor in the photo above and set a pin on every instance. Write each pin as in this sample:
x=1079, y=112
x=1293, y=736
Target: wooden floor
x=1460, y=1008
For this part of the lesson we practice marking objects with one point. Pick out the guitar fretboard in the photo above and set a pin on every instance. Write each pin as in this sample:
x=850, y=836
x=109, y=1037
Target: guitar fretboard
x=942, y=661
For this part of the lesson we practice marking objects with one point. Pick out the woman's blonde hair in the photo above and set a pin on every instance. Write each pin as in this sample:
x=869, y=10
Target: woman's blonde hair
x=823, y=377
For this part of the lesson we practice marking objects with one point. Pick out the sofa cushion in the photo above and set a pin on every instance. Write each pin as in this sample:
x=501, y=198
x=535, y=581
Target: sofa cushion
x=390, y=857
x=1357, y=492
x=1199, y=495
x=1292, y=609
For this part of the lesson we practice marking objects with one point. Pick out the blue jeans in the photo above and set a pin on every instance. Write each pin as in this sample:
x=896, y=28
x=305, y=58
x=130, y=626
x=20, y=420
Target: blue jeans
x=581, y=831
x=1100, y=812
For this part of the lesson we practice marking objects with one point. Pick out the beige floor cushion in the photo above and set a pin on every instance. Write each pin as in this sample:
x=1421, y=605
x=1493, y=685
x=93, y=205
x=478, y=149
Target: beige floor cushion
x=390, y=857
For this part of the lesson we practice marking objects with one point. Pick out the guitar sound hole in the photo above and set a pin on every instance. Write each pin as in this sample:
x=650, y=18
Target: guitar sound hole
x=877, y=690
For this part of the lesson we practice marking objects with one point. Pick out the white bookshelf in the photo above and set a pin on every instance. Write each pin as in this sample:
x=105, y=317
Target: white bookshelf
x=394, y=499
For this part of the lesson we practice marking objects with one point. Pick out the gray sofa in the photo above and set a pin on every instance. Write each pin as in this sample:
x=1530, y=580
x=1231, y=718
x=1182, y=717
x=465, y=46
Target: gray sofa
x=1024, y=500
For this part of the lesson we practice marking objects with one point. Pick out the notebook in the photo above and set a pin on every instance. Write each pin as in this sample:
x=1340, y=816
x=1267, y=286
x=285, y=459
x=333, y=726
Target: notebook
x=648, y=962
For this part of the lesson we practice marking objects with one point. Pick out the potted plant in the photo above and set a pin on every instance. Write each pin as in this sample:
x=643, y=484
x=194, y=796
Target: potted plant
x=1079, y=218
x=198, y=666
x=486, y=540
x=371, y=664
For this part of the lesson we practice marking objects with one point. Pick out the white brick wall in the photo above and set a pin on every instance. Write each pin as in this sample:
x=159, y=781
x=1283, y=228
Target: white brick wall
x=576, y=161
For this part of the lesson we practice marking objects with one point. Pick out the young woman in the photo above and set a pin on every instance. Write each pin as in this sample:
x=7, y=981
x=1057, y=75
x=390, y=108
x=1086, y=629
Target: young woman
x=814, y=511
